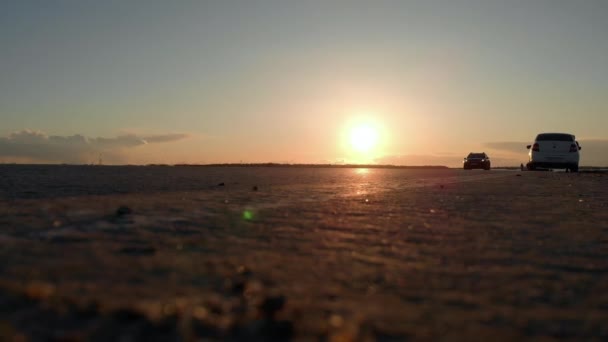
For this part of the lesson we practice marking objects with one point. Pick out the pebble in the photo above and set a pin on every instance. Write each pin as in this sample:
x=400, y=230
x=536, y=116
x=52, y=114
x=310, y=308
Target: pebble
x=244, y=270
x=123, y=210
x=271, y=305
x=336, y=321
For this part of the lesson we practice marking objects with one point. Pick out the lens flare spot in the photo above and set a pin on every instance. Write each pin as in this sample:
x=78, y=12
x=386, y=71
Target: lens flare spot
x=248, y=215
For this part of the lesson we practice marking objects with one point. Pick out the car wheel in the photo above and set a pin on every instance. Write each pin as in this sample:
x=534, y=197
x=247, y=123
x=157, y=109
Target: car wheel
x=574, y=168
x=531, y=167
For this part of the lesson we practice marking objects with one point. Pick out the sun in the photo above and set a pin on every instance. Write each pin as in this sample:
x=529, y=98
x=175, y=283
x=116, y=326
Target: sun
x=363, y=138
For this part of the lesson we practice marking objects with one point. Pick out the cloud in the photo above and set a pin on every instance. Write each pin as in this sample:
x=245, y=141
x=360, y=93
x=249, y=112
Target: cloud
x=122, y=141
x=165, y=138
x=40, y=147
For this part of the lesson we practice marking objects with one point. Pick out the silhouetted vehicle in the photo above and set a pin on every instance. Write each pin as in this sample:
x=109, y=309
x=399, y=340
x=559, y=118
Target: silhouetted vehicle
x=476, y=161
x=554, y=151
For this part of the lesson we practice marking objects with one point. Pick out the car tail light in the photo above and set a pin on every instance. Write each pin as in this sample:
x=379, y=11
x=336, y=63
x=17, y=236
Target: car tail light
x=573, y=148
x=535, y=147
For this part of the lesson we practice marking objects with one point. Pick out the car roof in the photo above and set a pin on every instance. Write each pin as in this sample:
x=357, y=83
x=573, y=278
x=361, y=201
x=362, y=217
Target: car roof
x=555, y=136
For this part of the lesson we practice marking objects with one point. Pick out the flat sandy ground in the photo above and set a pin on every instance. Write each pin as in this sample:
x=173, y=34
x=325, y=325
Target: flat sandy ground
x=191, y=253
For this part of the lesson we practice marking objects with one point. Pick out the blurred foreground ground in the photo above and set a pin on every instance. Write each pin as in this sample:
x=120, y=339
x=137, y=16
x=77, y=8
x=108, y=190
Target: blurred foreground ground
x=166, y=253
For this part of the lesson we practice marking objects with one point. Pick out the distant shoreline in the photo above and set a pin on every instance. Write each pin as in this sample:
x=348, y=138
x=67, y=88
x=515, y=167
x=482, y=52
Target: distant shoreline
x=279, y=165
x=331, y=166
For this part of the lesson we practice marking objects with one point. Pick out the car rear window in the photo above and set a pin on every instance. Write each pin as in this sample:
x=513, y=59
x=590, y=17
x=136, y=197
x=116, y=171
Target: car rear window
x=554, y=137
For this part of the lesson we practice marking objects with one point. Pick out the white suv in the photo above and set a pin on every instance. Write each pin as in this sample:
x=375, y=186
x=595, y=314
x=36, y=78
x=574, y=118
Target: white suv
x=554, y=150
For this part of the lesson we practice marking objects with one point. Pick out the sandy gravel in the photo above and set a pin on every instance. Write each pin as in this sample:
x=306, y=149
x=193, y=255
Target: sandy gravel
x=167, y=253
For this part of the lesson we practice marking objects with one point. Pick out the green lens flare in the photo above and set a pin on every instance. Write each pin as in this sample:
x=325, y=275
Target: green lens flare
x=247, y=215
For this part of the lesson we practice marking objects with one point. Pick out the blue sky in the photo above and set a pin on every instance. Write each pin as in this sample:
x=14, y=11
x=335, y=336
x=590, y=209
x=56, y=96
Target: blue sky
x=264, y=81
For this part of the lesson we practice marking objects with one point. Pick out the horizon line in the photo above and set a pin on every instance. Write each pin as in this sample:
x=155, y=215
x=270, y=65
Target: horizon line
x=285, y=165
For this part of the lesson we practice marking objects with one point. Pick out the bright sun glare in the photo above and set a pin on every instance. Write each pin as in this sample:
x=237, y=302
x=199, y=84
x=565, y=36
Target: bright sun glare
x=363, y=138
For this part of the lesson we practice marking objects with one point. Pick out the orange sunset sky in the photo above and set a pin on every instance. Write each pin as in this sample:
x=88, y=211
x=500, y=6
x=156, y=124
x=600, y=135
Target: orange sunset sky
x=389, y=82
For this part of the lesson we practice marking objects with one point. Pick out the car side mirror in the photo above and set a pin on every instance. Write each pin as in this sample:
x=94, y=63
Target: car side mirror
x=580, y=148
x=528, y=147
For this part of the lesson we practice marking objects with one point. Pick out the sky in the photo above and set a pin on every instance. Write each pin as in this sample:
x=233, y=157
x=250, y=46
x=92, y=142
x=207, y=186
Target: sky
x=139, y=82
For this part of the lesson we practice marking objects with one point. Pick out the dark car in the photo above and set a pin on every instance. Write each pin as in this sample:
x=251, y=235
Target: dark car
x=476, y=161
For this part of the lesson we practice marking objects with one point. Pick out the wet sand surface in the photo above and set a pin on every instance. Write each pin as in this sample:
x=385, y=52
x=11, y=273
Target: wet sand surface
x=192, y=253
